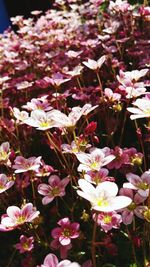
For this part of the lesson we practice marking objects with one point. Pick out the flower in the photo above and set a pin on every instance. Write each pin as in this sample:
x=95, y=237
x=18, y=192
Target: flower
x=103, y=197
x=20, y=115
x=23, y=165
x=134, y=208
x=52, y=261
x=55, y=188
x=108, y=220
x=95, y=65
x=96, y=177
x=141, y=184
x=42, y=120
x=66, y=231
x=15, y=216
x=93, y=160
x=38, y=103
x=4, y=152
x=142, y=109
x=25, y=245
x=5, y=183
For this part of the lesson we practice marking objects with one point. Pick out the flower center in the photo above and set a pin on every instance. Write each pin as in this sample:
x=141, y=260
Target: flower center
x=101, y=202
x=132, y=206
x=94, y=164
x=107, y=219
x=25, y=246
x=44, y=124
x=3, y=155
x=143, y=186
x=55, y=191
x=21, y=220
x=66, y=232
x=147, y=111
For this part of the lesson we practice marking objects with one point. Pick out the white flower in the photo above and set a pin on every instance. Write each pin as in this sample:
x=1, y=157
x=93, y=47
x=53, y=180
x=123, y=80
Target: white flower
x=142, y=109
x=103, y=196
x=94, y=65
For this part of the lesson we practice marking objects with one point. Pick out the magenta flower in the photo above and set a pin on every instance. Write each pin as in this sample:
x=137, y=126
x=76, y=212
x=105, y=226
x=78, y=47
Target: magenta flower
x=55, y=188
x=66, y=231
x=15, y=216
x=108, y=220
x=5, y=183
x=56, y=245
x=141, y=184
x=120, y=158
x=23, y=165
x=52, y=261
x=25, y=245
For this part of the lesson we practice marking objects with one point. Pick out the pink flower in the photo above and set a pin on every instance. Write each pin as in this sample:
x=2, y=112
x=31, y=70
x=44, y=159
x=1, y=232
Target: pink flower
x=20, y=115
x=66, y=231
x=103, y=197
x=25, y=245
x=55, y=188
x=120, y=158
x=52, y=261
x=111, y=95
x=142, y=109
x=16, y=216
x=5, y=183
x=141, y=184
x=93, y=160
x=134, y=208
x=23, y=165
x=38, y=103
x=96, y=177
x=108, y=220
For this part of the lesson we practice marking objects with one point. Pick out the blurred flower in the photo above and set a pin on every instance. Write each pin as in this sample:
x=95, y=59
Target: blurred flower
x=25, y=245
x=5, y=183
x=108, y=220
x=142, y=109
x=52, y=261
x=95, y=65
x=4, y=152
x=103, y=197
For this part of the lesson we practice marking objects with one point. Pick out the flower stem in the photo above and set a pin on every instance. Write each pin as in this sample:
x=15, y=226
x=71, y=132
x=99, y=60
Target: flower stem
x=93, y=247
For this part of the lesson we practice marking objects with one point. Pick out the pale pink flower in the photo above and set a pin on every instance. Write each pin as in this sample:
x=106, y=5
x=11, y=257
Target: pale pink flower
x=25, y=245
x=23, y=165
x=38, y=104
x=96, y=177
x=20, y=115
x=108, y=220
x=103, y=196
x=133, y=75
x=75, y=147
x=119, y=5
x=134, y=208
x=111, y=96
x=42, y=120
x=55, y=188
x=73, y=116
x=57, y=79
x=95, y=65
x=75, y=72
x=52, y=261
x=141, y=184
x=24, y=85
x=5, y=183
x=93, y=160
x=4, y=152
x=73, y=54
x=66, y=231
x=15, y=216
x=141, y=109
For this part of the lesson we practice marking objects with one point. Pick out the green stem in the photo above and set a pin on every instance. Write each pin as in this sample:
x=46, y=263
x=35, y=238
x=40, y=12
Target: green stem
x=93, y=247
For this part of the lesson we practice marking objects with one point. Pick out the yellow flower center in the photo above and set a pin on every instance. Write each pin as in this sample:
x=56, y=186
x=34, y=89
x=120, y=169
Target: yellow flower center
x=3, y=156
x=107, y=219
x=55, y=191
x=94, y=165
x=44, y=124
x=102, y=202
x=143, y=186
x=21, y=220
x=25, y=246
x=132, y=206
